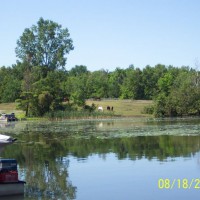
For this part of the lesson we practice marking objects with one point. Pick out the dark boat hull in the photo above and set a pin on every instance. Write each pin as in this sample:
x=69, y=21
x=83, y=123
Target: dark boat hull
x=13, y=188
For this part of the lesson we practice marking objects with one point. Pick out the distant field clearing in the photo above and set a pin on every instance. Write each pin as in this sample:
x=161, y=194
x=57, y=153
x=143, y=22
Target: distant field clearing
x=11, y=108
x=8, y=107
x=123, y=107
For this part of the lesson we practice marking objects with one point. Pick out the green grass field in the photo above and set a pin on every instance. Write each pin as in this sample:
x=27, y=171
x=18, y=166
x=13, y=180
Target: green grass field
x=8, y=107
x=125, y=108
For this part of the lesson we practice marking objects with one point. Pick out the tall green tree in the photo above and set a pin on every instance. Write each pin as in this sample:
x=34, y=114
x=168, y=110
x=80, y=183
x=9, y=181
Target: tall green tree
x=127, y=88
x=45, y=44
x=178, y=95
x=97, y=84
x=10, y=85
x=132, y=87
x=151, y=75
x=26, y=96
x=115, y=81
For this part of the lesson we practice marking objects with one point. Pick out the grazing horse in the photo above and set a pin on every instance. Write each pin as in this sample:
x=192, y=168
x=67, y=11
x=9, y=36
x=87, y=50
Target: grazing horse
x=100, y=108
x=110, y=108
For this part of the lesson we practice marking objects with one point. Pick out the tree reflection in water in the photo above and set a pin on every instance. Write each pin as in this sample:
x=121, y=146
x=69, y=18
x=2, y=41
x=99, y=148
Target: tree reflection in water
x=46, y=176
x=43, y=157
x=49, y=181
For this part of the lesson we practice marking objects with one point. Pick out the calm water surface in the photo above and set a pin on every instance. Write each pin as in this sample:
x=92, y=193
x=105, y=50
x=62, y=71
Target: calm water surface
x=107, y=159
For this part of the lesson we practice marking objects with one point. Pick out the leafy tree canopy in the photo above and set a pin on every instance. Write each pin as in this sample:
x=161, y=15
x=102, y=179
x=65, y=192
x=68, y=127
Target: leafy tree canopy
x=44, y=44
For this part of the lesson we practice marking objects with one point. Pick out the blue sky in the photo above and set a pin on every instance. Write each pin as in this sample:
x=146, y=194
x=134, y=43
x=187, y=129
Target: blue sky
x=111, y=33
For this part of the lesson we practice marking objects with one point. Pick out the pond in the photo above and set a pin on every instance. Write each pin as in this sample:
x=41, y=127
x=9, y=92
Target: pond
x=124, y=158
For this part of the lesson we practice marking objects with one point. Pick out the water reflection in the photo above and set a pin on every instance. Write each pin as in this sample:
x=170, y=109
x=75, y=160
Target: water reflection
x=7, y=124
x=49, y=181
x=131, y=127
x=49, y=154
x=2, y=146
x=160, y=147
x=44, y=163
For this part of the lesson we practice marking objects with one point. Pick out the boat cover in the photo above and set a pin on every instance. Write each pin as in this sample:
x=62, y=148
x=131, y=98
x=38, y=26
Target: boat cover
x=6, y=139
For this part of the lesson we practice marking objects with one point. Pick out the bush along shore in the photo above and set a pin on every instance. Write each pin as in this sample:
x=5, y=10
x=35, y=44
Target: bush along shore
x=59, y=115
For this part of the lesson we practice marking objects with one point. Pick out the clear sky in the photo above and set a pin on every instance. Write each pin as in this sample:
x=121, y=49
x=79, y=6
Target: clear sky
x=110, y=33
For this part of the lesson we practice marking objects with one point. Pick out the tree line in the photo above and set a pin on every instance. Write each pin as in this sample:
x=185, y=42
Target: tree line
x=175, y=89
x=40, y=83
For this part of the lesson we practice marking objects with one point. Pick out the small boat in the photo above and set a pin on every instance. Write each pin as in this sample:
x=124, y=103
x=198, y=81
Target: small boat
x=8, y=117
x=9, y=183
x=6, y=139
x=12, y=188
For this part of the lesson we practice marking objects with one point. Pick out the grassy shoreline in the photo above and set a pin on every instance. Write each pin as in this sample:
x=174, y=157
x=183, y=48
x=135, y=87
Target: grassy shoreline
x=121, y=108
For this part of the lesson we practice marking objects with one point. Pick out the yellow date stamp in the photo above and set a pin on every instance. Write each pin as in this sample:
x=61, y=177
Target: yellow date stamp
x=185, y=183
